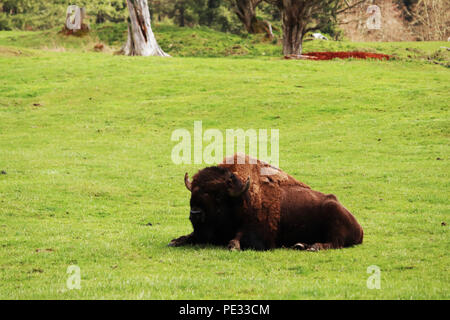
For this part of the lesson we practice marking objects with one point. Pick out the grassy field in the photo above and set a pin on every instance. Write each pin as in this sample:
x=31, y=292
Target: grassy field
x=85, y=146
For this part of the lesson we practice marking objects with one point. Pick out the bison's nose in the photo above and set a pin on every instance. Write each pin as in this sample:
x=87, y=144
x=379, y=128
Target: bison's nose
x=195, y=212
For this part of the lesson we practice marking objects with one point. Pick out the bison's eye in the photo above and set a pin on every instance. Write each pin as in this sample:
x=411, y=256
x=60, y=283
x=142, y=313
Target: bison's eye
x=195, y=212
x=197, y=215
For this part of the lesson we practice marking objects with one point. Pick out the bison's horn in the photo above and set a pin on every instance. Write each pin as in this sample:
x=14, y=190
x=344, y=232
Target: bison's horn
x=234, y=193
x=187, y=183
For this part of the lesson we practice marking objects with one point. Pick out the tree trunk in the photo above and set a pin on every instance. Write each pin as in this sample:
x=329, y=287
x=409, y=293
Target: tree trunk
x=302, y=16
x=245, y=10
x=294, y=26
x=141, y=40
x=292, y=36
x=182, y=23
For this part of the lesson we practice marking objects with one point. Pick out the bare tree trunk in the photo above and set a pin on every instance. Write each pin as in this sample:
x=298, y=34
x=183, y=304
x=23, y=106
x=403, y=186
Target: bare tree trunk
x=141, y=40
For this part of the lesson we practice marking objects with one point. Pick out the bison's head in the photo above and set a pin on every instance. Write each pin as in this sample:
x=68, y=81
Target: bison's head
x=216, y=198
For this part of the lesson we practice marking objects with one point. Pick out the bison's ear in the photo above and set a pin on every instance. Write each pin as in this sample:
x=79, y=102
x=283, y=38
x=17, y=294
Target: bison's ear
x=241, y=191
x=187, y=183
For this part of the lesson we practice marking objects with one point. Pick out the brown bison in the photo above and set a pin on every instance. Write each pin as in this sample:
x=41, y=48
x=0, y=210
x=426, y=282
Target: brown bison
x=247, y=203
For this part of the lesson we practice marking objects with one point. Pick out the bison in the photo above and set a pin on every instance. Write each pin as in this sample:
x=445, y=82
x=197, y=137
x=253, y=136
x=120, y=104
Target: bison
x=245, y=203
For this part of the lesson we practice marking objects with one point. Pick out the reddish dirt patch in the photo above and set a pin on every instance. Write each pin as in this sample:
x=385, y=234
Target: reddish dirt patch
x=345, y=55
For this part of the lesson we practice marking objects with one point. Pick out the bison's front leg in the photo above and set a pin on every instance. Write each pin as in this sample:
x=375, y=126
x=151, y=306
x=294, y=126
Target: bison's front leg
x=235, y=243
x=181, y=241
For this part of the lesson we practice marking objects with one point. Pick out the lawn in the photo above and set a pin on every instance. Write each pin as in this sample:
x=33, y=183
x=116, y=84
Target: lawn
x=85, y=142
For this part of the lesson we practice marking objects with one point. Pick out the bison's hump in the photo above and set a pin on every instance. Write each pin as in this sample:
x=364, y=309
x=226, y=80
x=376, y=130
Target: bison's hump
x=245, y=166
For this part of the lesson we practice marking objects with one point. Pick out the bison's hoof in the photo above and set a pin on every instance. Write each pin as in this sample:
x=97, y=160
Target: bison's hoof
x=234, y=245
x=299, y=246
x=175, y=243
x=313, y=248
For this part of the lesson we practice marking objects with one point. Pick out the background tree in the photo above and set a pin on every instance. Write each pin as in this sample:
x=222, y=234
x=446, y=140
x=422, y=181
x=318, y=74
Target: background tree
x=302, y=16
x=246, y=12
x=141, y=40
x=46, y=14
x=430, y=19
x=108, y=10
x=30, y=14
x=211, y=12
x=215, y=14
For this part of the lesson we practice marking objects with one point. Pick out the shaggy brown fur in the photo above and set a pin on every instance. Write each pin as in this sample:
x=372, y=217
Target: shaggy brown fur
x=274, y=210
x=264, y=201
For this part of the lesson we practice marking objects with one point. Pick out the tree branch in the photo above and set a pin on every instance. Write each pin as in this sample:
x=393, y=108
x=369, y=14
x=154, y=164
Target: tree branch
x=351, y=6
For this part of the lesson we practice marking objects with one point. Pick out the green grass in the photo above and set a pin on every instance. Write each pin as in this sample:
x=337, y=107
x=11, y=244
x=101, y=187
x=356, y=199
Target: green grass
x=85, y=142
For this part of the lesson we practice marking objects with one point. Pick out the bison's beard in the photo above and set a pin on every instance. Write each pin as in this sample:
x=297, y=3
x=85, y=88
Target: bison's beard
x=214, y=232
